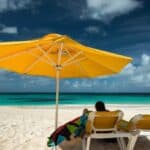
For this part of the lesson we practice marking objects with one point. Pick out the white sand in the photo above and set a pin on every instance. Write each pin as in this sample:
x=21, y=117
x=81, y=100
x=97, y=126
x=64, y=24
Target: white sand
x=27, y=128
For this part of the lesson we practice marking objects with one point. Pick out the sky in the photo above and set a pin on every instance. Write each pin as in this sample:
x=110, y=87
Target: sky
x=117, y=26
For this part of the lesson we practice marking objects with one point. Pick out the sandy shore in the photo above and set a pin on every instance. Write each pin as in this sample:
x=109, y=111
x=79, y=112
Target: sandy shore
x=27, y=128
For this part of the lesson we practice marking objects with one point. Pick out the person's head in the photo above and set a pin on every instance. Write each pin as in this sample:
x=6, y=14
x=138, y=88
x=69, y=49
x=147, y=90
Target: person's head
x=100, y=106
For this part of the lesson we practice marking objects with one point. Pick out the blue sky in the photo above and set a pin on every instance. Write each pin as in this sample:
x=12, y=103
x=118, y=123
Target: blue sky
x=114, y=25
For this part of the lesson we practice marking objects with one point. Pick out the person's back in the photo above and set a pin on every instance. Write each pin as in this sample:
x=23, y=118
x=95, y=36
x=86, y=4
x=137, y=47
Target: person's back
x=99, y=107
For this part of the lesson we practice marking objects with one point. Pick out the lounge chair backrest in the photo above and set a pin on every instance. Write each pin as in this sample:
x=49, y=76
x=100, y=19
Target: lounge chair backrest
x=140, y=122
x=103, y=121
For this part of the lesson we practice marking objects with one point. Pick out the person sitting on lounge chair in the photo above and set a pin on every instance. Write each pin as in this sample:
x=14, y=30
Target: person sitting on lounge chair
x=99, y=106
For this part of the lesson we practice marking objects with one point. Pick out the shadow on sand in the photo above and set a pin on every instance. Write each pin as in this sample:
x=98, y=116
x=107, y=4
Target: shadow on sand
x=142, y=143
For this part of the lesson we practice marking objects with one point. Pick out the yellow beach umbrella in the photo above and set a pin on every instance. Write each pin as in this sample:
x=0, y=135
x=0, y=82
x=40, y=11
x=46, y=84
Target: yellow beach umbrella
x=59, y=56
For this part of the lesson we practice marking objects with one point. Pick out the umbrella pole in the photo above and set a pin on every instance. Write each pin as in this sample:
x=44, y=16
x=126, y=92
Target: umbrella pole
x=57, y=97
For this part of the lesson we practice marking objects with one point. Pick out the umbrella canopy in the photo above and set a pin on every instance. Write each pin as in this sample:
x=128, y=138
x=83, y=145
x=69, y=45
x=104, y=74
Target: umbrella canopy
x=42, y=56
x=59, y=56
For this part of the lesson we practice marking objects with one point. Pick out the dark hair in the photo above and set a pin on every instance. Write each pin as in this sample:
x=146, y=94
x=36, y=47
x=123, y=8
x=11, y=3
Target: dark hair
x=100, y=106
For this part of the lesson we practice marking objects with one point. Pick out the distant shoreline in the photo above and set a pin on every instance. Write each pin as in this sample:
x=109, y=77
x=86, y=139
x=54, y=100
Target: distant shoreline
x=75, y=106
x=84, y=93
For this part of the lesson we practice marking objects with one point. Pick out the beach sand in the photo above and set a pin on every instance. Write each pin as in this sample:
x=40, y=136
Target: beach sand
x=27, y=128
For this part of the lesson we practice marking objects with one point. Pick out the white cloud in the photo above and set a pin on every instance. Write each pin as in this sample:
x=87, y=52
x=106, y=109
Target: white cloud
x=134, y=77
x=67, y=83
x=6, y=5
x=9, y=30
x=138, y=74
x=148, y=75
x=138, y=78
x=128, y=70
x=106, y=10
x=92, y=29
x=84, y=83
x=145, y=59
x=76, y=84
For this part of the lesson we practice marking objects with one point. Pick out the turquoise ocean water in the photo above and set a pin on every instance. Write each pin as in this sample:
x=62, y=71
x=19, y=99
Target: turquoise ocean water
x=72, y=98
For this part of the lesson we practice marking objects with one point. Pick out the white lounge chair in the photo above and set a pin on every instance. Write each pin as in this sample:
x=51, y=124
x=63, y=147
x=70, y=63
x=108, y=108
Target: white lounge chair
x=103, y=125
x=141, y=123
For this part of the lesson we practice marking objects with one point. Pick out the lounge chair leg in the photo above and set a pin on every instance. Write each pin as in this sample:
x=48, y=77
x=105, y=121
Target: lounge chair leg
x=123, y=144
x=119, y=143
x=88, y=143
x=132, y=141
x=84, y=143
